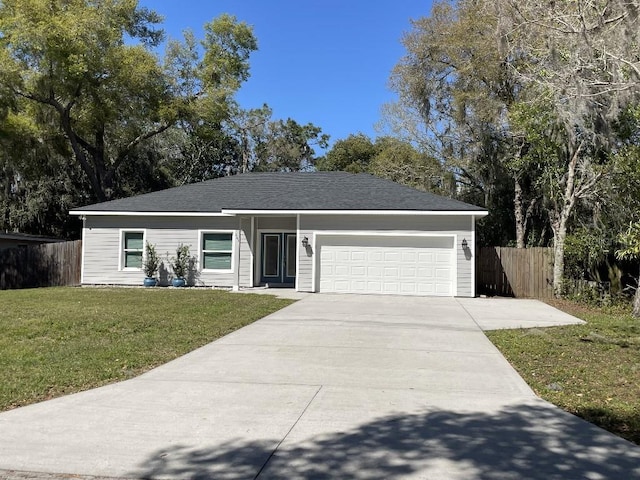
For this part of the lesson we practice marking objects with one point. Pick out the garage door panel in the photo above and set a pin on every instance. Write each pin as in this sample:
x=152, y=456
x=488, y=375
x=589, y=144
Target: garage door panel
x=426, y=289
x=443, y=274
x=390, y=287
x=359, y=286
x=409, y=256
x=358, y=256
x=426, y=257
x=408, y=288
x=342, y=256
x=408, y=272
x=375, y=256
x=393, y=265
x=328, y=255
x=391, y=256
x=426, y=272
x=341, y=270
x=342, y=285
x=374, y=272
x=443, y=258
x=391, y=272
x=358, y=271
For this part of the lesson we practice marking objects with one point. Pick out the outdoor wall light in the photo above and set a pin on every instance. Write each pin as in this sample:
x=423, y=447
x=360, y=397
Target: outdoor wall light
x=464, y=244
x=305, y=242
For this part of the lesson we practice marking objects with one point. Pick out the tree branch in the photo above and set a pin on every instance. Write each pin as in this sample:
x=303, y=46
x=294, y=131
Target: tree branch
x=44, y=100
x=140, y=138
x=626, y=62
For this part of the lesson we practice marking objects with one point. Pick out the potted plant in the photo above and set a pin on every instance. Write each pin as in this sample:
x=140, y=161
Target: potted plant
x=150, y=265
x=180, y=265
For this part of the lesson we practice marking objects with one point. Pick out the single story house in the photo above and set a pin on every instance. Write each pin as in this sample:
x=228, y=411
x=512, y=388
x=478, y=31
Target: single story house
x=314, y=231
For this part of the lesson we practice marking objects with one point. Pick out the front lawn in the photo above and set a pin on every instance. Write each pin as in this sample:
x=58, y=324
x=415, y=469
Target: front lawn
x=55, y=341
x=590, y=370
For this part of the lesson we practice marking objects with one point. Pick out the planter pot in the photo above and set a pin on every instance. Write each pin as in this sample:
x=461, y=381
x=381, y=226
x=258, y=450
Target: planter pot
x=150, y=282
x=178, y=282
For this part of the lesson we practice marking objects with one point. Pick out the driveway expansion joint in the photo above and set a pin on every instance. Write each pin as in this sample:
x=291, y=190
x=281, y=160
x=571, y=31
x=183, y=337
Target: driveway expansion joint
x=469, y=314
x=288, y=432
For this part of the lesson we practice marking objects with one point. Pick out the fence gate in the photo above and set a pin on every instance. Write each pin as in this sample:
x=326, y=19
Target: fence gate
x=515, y=272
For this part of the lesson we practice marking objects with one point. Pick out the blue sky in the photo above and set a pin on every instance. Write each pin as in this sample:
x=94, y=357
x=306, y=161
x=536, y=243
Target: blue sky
x=326, y=62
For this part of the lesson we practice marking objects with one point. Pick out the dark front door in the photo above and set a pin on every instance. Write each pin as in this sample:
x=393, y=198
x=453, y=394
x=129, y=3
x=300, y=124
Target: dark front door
x=278, y=258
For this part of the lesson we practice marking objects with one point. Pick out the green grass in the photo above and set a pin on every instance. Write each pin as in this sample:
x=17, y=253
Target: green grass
x=590, y=370
x=55, y=341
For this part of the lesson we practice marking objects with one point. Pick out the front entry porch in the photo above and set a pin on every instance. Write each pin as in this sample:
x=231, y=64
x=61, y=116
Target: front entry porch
x=278, y=258
x=274, y=250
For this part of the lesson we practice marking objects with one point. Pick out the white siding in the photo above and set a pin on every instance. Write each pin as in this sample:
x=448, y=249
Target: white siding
x=246, y=257
x=102, y=248
x=396, y=224
x=305, y=261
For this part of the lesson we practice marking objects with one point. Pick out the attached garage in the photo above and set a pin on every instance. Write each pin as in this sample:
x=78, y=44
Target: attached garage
x=383, y=264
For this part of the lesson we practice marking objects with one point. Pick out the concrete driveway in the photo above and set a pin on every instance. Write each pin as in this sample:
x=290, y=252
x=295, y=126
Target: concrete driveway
x=334, y=386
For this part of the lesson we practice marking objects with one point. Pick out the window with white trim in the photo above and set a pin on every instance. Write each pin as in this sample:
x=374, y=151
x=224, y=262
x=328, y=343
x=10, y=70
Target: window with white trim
x=217, y=251
x=132, y=249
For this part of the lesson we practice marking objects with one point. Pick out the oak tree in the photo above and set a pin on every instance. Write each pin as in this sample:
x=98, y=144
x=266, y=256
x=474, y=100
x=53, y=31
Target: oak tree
x=90, y=67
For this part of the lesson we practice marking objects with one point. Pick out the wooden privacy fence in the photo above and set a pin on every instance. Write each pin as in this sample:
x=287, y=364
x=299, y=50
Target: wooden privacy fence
x=515, y=272
x=46, y=265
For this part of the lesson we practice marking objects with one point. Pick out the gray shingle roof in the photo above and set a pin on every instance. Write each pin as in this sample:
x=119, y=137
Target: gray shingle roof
x=285, y=191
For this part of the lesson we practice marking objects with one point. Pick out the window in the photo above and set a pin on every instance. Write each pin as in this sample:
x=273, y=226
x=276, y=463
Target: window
x=133, y=248
x=217, y=251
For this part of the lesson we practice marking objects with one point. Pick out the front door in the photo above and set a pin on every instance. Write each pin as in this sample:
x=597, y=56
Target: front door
x=278, y=258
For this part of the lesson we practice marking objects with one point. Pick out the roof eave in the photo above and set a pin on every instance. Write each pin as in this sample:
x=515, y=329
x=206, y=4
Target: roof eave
x=126, y=213
x=236, y=212
x=476, y=213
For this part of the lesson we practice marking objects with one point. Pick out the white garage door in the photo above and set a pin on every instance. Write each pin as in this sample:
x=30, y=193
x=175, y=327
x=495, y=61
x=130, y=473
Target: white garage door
x=386, y=265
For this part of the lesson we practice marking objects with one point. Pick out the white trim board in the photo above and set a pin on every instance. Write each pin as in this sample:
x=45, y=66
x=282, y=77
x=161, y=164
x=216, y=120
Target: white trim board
x=84, y=247
x=233, y=213
x=475, y=213
x=376, y=233
x=473, y=257
x=298, y=239
x=111, y=213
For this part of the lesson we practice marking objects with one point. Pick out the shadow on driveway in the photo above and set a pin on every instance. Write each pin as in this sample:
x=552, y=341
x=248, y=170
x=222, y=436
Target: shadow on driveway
x=530, y=441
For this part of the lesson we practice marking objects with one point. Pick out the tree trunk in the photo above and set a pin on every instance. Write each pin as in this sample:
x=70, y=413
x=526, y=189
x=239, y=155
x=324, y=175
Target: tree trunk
x=559, y=226
x=636, y=301
x=559, y=236
x=559, y=220
x=521, y=221
x=245, y=153
x=81, y=155
x=105, y=177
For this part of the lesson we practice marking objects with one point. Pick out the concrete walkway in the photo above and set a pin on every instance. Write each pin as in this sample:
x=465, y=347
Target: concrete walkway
x=334, y=386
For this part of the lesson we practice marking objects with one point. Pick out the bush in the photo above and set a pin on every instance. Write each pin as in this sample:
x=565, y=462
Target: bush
x=182, y=262
x=151, y=261
x=584, y=251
